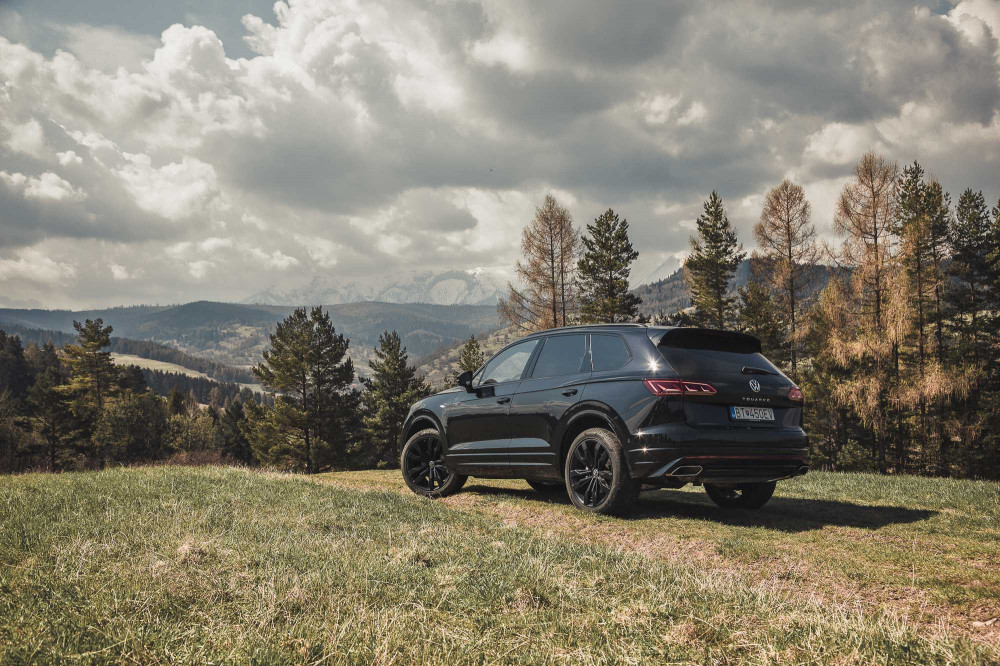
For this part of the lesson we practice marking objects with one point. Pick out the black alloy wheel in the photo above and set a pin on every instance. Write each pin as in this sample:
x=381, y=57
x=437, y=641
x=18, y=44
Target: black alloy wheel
x=424, y=469
x=590, y=474
x=597, y=476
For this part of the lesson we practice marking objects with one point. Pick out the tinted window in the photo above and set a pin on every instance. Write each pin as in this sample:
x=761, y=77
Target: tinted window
x=508, y=364
x=561, y=355
x=608, y=351
x=706, y=363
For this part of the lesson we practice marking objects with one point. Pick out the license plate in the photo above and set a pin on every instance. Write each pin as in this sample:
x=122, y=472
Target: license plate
x=739, y=413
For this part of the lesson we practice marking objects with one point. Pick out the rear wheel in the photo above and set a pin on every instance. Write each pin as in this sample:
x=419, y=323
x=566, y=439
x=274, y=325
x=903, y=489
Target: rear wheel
x=547, y=487
x=424, y=471
x=743, y=496
x=597, y=477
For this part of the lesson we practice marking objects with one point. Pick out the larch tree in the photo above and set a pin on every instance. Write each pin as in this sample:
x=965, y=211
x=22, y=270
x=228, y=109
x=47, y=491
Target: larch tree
x=390, y=390
x=546, y=297
x=603, y=272
x=866, y=218
x=308, y=369
x=786, y=256
x=715, y=255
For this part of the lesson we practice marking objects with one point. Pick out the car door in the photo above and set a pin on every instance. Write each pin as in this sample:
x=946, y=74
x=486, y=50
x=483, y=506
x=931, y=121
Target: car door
x=477, y=427
x=555, y=383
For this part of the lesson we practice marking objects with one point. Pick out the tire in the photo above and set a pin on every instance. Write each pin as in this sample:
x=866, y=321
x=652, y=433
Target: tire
x=423, y=467
x=743, y=496
x=545, y=487
x=597, y=476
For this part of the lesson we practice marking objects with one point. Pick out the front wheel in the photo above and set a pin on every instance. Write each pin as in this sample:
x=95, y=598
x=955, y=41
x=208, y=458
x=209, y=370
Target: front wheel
x=743, y=496
x=424, y=471
x=597, y=477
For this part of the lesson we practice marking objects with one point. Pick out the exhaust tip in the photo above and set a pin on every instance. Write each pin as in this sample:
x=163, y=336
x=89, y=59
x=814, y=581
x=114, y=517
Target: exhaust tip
x=803, y=470
x=687, y=470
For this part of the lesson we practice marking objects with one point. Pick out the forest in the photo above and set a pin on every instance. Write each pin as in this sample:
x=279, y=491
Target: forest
x=891, y=332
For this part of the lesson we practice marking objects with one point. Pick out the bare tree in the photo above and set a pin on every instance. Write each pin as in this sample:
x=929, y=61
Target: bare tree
x=787, y=253
x=546, y=272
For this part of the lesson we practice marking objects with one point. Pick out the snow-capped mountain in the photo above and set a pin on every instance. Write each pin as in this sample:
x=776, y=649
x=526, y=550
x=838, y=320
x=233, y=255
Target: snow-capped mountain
x=475, y=287
x=663, y=271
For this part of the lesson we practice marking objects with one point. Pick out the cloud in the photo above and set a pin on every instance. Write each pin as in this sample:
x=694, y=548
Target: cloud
x=174, y=191
x=119, y=272
x=46, y=186
x=369, y=137
x=30, y=265
x=26, y=138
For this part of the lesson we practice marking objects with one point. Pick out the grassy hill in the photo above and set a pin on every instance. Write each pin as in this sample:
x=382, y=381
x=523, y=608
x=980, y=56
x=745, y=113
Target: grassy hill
x=183, y=565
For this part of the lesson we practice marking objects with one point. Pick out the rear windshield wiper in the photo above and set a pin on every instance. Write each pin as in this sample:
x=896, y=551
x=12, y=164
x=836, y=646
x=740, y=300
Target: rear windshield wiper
x=747, y=370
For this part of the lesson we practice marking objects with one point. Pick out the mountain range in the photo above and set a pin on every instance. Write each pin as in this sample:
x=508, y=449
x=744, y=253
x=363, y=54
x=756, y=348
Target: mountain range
x=473, y=287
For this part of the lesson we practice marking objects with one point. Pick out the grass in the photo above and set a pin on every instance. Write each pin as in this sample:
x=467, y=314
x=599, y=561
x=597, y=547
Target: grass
x=186, y=565
x=166, y=366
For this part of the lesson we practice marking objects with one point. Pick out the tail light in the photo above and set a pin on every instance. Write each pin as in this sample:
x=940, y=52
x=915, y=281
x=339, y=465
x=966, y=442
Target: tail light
x=795, y=394
x=678, y=387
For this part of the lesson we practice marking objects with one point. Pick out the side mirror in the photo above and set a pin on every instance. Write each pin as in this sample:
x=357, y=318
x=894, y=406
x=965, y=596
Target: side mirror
x=465, y=380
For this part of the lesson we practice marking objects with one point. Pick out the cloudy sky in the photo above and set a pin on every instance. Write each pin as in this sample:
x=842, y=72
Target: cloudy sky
x=179, y=150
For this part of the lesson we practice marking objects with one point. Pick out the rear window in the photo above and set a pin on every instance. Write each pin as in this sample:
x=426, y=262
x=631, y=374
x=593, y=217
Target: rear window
x=561, y=355
x=693, y=363
x=608, y=351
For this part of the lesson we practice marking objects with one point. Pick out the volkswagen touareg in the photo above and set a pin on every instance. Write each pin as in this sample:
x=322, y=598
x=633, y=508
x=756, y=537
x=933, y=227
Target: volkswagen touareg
x=604, y=410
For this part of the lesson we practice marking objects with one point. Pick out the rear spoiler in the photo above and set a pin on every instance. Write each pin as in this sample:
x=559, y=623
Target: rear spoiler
x=705, y=338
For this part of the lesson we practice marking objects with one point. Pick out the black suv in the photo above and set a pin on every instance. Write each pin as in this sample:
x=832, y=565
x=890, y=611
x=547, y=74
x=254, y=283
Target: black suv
x=606, y=409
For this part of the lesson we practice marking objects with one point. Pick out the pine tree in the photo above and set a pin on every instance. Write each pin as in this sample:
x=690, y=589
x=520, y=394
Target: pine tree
x=715, y=255
x=51, y=412
x=549, y=246
x=604, y=271
x=234, y=443
x=972, y=239
x=470, y=358
x=787, y=253
x=759, y=314
x=308, y=368
x=389, y=392
x=93, y=377
x=14, y=371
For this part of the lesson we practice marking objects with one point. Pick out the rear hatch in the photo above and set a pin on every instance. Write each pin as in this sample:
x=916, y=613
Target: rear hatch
x=750, y=392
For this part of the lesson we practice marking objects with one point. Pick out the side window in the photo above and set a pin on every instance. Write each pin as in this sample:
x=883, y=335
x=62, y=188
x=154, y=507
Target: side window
x=562, y=355
x=608, y=351
x=508, y=364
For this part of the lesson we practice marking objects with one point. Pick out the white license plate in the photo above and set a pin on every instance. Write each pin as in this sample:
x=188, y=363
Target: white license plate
x=739, y=413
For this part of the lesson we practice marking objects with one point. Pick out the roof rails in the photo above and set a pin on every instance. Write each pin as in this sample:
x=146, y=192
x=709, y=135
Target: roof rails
x=586, y=327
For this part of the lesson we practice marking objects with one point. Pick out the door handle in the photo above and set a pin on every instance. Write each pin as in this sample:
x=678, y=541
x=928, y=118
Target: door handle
x=569, y=392
x=504, y=399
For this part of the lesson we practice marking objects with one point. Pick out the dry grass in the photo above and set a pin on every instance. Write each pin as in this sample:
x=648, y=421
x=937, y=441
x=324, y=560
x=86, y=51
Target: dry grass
x=188, y=565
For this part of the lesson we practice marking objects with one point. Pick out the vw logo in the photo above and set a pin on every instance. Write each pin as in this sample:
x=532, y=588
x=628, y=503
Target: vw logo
x=755, y=385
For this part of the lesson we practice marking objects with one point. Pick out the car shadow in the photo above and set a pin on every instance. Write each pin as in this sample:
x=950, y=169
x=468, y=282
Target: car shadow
x=784, y=514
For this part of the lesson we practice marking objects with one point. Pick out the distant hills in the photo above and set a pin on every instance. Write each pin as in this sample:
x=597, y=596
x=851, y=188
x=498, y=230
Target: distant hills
x=236, y=334
x=435, y=287
x=672, y=294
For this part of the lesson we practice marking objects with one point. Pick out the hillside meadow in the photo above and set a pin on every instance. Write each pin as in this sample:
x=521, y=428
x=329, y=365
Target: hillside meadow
x=224, y=565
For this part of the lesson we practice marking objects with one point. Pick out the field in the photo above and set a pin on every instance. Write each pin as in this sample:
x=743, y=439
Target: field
x=164, y=366
x=185, y=565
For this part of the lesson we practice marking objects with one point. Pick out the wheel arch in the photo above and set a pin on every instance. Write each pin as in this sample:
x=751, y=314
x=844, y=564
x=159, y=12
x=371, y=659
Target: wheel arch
x=420, y=421
x=584, y=418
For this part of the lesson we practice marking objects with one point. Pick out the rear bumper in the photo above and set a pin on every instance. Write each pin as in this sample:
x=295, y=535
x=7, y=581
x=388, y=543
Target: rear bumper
x=675, y=454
